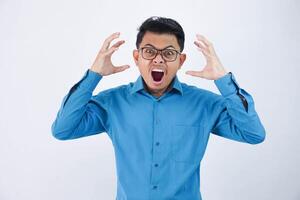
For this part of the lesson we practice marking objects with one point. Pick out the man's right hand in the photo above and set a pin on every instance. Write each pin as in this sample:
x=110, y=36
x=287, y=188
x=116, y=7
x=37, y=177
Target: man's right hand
x=102, y=63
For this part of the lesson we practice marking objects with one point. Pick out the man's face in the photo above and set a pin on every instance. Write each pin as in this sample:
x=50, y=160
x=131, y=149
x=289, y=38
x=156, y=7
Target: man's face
x=158, y=73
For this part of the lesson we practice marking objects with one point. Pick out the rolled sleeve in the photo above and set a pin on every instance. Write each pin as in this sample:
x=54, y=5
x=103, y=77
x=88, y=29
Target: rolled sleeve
x=89, y=81
x=227, y=84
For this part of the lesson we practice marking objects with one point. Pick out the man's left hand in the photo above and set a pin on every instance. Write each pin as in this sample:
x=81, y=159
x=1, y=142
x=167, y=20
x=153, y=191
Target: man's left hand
x=213, y=68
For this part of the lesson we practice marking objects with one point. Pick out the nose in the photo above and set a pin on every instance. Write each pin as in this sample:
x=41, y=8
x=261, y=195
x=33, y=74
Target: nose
x=158, y=58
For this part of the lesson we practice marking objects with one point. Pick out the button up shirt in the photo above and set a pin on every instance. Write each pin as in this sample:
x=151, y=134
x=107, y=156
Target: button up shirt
x=159, y=142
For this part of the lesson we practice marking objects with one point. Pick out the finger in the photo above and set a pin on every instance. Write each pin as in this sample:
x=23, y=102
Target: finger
x=205, y=52
x=204, y=40
x=120, y=68
x=119, y=43
x=200, y=45
x=195, y=73
x=111, y=51
x=108, y=40
x=114, y=47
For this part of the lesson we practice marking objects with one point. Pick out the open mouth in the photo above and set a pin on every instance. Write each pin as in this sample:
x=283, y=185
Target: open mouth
x=157, y=74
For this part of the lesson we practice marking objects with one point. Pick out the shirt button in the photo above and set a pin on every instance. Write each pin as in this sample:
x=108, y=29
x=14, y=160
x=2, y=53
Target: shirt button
x=156, y=165
x=154, y=187
x=157, y=143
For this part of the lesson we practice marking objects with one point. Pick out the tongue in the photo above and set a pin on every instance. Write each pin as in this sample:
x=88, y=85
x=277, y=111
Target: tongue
x=157, y=76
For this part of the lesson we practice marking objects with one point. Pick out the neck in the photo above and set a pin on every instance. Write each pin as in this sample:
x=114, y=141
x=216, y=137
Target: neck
x=159, y=93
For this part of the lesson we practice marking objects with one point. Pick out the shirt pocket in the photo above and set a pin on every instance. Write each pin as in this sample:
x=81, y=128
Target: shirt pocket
x=187, y=143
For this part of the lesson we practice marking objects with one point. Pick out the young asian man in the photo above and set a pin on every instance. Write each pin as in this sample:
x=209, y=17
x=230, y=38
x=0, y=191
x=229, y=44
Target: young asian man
x=159, y=126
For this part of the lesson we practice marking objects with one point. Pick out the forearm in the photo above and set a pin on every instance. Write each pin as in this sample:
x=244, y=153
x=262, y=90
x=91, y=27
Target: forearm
x=74, y=106
x=238, y=119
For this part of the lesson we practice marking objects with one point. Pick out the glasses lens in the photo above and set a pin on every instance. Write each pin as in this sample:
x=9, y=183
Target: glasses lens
x=169, y=54
x=148, y=52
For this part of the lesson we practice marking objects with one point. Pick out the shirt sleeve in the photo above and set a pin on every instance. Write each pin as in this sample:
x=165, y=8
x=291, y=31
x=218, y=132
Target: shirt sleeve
x=82, y=114
x=235, y=114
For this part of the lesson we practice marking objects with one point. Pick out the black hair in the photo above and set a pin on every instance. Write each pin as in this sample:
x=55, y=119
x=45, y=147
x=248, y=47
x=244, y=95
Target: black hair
x=161, y=25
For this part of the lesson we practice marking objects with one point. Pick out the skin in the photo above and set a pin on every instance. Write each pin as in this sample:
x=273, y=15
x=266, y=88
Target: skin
x=159, y=41
x=213, y=69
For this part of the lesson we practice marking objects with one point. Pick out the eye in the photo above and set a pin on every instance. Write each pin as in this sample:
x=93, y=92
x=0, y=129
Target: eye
x=169, y=52
x=149, y=50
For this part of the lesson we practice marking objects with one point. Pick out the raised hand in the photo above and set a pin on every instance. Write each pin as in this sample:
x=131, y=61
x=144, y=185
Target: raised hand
x=213, y=68
x=102, y=63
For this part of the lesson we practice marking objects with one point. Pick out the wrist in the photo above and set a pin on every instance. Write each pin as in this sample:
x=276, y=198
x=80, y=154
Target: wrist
x=222, y=74
x=96, y=71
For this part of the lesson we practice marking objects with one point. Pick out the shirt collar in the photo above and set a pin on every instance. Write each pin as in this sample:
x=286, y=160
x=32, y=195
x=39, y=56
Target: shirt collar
x=139, y=85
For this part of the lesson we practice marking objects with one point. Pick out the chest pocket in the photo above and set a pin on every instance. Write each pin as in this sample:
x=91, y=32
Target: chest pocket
x=187, y=143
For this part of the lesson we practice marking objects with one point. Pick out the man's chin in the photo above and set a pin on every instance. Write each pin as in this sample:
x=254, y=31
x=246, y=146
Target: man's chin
x=157, y=85
x=157, y=88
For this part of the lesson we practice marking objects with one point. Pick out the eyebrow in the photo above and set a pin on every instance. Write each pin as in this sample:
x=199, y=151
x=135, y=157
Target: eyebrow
x=162, y=48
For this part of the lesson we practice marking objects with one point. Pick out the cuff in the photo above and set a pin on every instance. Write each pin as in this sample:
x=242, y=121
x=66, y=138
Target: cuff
x=227, y=84
x=90, y=80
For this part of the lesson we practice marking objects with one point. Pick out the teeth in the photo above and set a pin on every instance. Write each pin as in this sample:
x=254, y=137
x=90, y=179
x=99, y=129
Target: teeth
x=158, y=70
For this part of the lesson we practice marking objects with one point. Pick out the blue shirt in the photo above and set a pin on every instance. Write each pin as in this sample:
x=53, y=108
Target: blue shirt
x=159, y=142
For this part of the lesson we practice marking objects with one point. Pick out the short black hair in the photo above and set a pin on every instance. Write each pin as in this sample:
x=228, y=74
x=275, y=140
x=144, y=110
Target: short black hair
x=161, y=25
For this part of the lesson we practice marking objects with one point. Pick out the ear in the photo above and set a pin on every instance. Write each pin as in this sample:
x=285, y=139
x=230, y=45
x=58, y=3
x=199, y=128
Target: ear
x=181, y=59
x=135, y=55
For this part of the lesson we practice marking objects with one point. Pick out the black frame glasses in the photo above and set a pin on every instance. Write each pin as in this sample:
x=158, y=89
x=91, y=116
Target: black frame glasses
x=169, y=55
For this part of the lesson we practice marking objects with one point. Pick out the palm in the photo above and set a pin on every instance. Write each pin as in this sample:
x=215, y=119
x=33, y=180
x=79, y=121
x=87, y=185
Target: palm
x=102, y=63
x=109, y=67
x=213, y=68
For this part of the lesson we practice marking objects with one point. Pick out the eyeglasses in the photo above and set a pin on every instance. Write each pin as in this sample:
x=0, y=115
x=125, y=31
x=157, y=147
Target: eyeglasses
x=169, y=55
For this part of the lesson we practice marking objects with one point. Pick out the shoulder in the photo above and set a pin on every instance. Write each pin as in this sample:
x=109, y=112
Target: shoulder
x=210, y=99
x=199, y=92
x=119, y=90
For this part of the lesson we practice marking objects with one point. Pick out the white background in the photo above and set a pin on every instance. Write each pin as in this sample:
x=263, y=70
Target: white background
x=46, y=47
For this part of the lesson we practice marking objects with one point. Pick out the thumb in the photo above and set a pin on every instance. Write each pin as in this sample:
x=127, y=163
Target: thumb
x=196, y=73
x=120, y=68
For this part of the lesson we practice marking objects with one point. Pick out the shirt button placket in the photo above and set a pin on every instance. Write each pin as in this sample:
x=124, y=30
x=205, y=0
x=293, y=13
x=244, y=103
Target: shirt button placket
x=155, y=156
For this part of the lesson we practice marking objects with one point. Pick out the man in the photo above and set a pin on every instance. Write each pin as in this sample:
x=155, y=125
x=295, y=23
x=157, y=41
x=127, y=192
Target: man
x=159, y=126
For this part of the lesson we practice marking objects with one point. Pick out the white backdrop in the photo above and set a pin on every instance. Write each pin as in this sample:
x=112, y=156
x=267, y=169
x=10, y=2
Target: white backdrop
x=45, y=48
